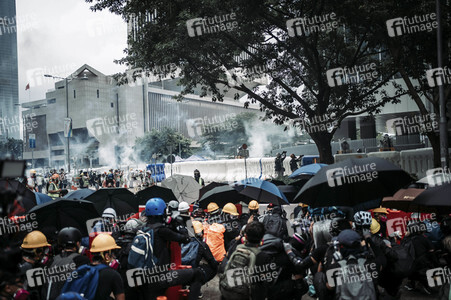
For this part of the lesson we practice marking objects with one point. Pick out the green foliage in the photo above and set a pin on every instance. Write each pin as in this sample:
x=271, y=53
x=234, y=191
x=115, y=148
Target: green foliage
x=161, y=142
x=11, y=148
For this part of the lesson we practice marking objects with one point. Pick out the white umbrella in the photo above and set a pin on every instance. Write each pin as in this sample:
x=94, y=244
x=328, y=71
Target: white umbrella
x=185, y=188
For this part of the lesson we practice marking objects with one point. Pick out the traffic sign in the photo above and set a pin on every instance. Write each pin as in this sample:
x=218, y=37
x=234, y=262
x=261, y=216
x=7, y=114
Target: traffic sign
x=171, y=159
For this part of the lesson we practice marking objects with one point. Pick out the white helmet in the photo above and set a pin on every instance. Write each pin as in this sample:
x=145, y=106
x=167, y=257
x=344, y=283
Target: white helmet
x=109, y=213
x=173, y=204
x=183, y=206
x=362, y=218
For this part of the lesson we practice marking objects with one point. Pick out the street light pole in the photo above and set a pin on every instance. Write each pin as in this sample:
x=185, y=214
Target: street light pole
x=67, y=116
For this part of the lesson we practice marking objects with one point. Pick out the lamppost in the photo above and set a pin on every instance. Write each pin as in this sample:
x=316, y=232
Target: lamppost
x=66, y=86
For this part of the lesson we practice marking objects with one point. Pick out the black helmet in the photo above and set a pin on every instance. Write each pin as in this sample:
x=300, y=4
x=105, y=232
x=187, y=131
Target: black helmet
x=69, y=236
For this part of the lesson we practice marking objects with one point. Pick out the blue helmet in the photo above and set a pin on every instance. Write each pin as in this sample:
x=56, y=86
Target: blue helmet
x=155, y=207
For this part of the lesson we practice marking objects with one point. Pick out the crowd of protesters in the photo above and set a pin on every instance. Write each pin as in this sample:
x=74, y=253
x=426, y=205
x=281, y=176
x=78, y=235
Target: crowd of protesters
x=334, y=252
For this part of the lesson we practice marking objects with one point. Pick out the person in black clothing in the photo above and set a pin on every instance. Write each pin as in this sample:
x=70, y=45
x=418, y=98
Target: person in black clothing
x=109, y=279
x=155, y=212
x=210, y=268
x=231, y=223
x=293, y=162
x=278, y=163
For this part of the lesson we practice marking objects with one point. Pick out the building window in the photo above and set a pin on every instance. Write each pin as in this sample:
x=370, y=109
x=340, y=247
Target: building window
x=98, y=93
x=112, y=104
x=75, y=95
x=51, y=101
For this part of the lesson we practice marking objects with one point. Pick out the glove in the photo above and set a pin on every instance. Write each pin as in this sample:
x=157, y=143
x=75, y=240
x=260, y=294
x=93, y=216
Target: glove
x=287, y=247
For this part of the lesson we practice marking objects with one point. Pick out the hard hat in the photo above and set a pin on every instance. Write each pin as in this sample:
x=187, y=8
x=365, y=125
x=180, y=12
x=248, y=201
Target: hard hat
x=103, y=242
x=35, y=239
x=212, y=206
x=253, y=205
x=183, y=206
x=230, y=208
x=32, y=171
x=380, y=210
x=155, y=207
x=109, y=213
x=198, y=227
x=132, y=225
x=69, y=236
x=173, y=204
x=362, y=218
x=303, y=205
x=375, y=226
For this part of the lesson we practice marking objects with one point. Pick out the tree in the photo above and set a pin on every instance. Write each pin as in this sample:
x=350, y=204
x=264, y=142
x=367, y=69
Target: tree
x=312, y=67
x=408, y=56
x=11, y=149
x=161, y=142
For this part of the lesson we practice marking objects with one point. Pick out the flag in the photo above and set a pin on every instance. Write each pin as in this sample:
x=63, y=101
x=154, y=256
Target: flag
x=27, y=87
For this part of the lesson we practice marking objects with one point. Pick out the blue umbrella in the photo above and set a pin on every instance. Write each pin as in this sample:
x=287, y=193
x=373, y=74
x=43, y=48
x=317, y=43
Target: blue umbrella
x=42, y=198
x=80, y=194
x=262, y=191
x=311, y=169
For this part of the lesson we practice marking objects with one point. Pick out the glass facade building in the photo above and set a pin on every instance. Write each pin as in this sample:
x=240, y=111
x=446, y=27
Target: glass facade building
x=9, y=90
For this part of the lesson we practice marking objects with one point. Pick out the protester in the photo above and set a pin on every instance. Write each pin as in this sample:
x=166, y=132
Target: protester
x=278, y=163
x=198, y=178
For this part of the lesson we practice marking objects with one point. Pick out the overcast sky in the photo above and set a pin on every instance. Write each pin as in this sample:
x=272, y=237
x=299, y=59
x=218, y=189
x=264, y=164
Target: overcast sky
x=58, y=37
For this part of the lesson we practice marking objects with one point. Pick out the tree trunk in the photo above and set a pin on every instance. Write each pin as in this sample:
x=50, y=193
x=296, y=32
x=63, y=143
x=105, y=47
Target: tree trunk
x=322, y=141
x=434, y=140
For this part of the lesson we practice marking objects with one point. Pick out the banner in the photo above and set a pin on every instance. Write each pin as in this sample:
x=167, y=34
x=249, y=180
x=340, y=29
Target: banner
x=67, y=127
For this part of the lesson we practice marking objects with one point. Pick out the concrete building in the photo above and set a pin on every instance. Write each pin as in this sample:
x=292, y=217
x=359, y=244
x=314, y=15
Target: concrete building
x=107, y=118
x=9, y=92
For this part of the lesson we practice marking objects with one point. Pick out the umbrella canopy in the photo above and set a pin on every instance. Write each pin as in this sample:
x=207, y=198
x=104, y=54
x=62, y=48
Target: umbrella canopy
x=311, y=170
x=290, y=191
x=209, y=187
x=436, y=197
x=403, y=200
x=262, y=191
x=222, y=195
x=27, y=198
x=62, y=213
x=353, y=182
x=122, y=200
x=42, y=198
x=153, y=192
x=80, y=194
x=185, y=188
x=435, y=179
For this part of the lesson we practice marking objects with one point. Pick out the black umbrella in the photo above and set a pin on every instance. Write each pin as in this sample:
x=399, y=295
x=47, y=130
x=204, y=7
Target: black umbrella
x=222, y=195
x=290, y=191
x=155, y=191
x=209, y=187
x=437, y=197
x=62, y=213
x=122, y=200
x=79, y=194
x=27, y=198
x=359, y=183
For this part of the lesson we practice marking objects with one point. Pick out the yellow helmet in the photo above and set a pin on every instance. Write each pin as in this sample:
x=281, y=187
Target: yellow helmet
x=103, y=242
x=253, y=205
x=35, y=239
x=32, y=171
x=212, y=207
x=230, y=208
x=303, y=205
x=375, y=226
x=381, y=210
x=198, y=227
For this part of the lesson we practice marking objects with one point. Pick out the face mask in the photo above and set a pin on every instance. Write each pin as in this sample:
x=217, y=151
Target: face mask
x=21, y=294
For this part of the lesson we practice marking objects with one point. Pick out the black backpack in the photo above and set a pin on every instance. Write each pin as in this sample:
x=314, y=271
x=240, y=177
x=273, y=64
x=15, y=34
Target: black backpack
x=51, y=290
x=274, y=224
x=403, y=266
